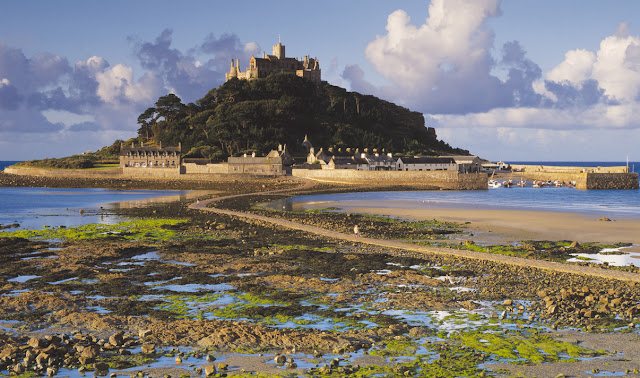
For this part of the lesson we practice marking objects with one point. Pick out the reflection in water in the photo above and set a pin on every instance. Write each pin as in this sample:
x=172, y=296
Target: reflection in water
x=188, y=196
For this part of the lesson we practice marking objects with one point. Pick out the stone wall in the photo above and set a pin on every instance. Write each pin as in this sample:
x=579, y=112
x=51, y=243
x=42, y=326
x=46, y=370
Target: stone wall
x=89, y=173
x=432, y=179
x=584, y=177
x=150, y=172
x=612, y=181
x=192, y=168
x=558, y=169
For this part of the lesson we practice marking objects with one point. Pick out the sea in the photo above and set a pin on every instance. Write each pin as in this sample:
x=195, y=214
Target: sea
x=33, y=208
x=604, y=203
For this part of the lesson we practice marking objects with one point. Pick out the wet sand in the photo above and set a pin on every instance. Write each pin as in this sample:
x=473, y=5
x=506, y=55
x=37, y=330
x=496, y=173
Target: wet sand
x=504, y=226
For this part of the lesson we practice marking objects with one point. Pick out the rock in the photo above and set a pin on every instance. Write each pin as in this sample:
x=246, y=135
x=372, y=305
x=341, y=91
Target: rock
x=117, y=339
x=92, y=351
x=575, y=244
x=223, y=367
x=148, y=348
x=144, y=333
x=291, y=365
x=604, y=219
x=507, y=302
x=503, y=315
x=324, y=369
x=280, y=359
x=210, y=358
x=37, y=343
x=51, y=371
x=209, y=370
x=101, y=366
x=178, y=360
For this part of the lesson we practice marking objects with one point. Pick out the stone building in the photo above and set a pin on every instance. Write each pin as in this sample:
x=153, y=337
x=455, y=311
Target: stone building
x=274, y=164
x=150, y=156
x=426, y=164
x=466, y=163
x=308, y=68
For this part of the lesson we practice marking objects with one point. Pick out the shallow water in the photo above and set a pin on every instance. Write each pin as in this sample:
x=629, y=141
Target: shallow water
x=33, y=208
x=627, y=258
x=610, y=203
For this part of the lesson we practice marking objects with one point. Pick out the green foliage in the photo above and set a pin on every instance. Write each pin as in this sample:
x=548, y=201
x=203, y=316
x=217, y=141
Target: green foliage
x=244, y=116
x=72, y=162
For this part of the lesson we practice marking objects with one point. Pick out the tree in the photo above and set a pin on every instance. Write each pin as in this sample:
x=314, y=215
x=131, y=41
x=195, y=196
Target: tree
x=169, y=107
x=146, y=120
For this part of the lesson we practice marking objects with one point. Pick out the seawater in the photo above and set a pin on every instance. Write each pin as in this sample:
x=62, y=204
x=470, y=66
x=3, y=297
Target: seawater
x=4, y=164
x=606, y=203
x=33, y=208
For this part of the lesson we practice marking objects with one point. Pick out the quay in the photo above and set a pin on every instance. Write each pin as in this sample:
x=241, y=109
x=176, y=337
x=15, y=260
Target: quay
x=584, y=177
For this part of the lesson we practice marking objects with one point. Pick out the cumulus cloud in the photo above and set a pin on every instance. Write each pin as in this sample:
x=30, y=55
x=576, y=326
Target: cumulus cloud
x=183, y=72
x=448, y=68
x=445, y=65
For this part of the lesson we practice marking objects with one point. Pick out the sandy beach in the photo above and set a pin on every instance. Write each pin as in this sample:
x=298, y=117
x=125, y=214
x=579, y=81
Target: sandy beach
x=504, y=226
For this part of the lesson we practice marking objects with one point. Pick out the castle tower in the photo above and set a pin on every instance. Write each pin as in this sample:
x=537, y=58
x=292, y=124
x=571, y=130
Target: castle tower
x=278, y=51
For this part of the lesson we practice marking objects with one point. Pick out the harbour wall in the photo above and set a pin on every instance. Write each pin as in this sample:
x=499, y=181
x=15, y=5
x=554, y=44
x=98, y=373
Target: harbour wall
x=98, y=173
x=584, y=177
x=451, y=180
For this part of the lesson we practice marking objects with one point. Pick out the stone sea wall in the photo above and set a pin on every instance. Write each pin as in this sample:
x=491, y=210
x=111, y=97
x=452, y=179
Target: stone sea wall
x=151, y=172
x=584, y=177
x=57, y=173
x=612, y=181
x=430, y=179
x=192, y=168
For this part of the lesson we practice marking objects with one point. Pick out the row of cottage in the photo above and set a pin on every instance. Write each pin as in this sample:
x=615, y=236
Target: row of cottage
x=364, y=161
x=278, y=162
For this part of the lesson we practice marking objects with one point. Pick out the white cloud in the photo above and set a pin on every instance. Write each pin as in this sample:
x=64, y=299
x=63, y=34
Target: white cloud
x=576, y=67
x=117, y=85
x=452, y=42
x=4, y=82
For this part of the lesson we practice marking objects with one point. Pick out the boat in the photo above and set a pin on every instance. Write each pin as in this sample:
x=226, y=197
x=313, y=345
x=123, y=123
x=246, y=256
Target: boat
x=522, y=183
x=558, y=184
x=507, y=184
x=493, y=183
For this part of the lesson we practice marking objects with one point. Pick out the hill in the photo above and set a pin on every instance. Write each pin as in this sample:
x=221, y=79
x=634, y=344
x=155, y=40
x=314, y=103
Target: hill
x=256, y=116
x=245, y=116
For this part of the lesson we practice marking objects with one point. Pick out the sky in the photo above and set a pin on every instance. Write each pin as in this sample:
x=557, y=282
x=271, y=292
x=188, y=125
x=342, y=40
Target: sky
x=512, y=80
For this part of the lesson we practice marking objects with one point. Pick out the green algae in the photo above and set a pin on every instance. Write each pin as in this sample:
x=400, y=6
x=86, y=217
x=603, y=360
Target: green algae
x=524, y=349
x=137, y=229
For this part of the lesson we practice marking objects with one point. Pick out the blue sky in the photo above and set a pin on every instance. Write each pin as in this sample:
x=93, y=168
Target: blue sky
x=510, y=80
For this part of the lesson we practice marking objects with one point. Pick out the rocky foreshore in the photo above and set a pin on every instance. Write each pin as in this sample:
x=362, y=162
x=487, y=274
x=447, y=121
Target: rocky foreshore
x=194, y=295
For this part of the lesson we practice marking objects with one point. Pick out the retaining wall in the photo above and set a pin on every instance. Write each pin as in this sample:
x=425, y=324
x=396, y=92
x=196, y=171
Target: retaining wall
x=151, y=172
x=192, y=168
x=428, y=179
x=612, y=181
x=86, y=173
x=585, y=177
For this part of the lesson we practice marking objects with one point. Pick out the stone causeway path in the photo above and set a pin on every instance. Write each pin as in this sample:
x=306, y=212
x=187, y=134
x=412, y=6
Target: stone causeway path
x=519, y=261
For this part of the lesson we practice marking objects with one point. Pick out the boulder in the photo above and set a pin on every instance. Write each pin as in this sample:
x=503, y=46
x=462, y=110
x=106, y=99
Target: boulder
x=209, y=370
x=117, y=339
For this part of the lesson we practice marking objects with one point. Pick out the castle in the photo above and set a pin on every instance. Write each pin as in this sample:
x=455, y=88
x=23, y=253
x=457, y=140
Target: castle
x=309, y=68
